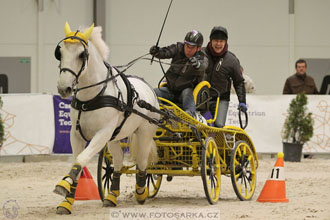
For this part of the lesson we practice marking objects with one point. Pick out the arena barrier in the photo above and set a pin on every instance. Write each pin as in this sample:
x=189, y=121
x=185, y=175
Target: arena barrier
x=40, y=123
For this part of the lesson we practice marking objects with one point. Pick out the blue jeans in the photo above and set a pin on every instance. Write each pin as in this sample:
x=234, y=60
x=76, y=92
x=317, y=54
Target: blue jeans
x=185, y=98
x=222, y=112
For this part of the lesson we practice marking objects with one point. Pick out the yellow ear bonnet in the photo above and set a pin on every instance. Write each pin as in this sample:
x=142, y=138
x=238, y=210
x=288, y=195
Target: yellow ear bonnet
x=84, y=36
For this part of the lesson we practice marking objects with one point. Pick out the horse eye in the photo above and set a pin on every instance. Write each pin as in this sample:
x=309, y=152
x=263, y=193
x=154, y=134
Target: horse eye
x=82, y=55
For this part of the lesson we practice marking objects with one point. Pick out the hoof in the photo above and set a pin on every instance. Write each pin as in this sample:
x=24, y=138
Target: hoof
x=62, y=189
x=141, y=198
x=110, y=201
x=64, y=208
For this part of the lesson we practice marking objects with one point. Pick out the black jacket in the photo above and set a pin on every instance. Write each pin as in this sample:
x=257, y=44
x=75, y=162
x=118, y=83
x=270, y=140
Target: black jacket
x=182, y=74
x=221, y=71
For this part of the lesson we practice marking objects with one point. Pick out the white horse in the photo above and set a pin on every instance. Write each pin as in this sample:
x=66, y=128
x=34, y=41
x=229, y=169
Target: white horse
x=101, y=103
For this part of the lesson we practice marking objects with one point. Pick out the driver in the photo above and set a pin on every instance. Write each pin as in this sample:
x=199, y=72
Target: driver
x=187, y=69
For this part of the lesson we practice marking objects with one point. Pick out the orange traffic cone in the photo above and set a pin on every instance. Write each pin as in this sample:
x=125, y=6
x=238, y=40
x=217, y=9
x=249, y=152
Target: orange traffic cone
x=86, y=188
x=274, y=188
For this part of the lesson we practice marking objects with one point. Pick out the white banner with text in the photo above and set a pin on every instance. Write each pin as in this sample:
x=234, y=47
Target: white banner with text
x=30, y=129
x=266, y=116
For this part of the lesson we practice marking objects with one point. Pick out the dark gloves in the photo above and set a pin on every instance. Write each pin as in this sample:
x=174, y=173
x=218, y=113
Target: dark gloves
x=242, y=106
x=154, y=50
x=194, y=62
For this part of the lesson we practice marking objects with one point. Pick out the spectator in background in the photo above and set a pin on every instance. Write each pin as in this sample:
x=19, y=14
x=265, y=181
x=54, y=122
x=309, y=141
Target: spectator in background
x=300, y=81
x=325, y=85
x=248, y=84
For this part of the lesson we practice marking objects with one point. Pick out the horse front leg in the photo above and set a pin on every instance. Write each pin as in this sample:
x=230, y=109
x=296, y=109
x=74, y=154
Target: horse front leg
x=110, y=200
x=67, y=186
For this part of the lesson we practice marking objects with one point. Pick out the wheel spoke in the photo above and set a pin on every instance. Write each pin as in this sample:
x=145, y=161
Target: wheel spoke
x=106, y=185
x=153, y=182
x=239, y=152
x=249, y=182
x=237, y=175
x=240, y=187
x=207, y=153
x=104, y=176
x=246, y=191
x=148, y=180
x=214, y=151
x=212, y=182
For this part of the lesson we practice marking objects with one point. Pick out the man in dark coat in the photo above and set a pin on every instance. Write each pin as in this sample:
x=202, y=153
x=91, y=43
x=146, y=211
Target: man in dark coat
x=300, y=81
x=186, y=71
x=223, y=68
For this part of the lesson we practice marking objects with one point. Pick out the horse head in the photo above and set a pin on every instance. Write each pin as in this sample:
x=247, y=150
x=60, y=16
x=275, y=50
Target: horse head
x=73, y=57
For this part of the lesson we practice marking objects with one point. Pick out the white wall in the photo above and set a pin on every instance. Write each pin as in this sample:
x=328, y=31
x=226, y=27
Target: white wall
x=258, y=33
x=27, y=30
x=262, y=34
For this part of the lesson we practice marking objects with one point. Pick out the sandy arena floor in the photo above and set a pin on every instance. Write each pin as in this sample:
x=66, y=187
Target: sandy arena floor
x=31, y=185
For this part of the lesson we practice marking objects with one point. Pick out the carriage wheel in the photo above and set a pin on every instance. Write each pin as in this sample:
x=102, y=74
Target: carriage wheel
x=243, y=171
x=105, y=171
x=211, y=171
x=153, y=184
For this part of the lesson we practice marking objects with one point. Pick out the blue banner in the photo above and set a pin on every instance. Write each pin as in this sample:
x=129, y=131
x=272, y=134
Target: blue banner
x=62, y=125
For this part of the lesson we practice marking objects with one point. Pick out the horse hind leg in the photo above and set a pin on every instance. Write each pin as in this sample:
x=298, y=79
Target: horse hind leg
x=117, y=157
x=146, y=148
x=111, y=199
x=141, y=191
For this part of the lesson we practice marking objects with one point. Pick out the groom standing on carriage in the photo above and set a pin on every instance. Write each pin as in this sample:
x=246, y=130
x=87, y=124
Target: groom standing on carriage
x=187, y=69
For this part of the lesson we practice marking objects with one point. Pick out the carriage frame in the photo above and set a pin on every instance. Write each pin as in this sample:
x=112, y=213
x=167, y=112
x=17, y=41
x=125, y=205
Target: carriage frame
x=187, y=147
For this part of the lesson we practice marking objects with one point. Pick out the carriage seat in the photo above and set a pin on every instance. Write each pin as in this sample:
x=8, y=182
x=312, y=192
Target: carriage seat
x=201, y=95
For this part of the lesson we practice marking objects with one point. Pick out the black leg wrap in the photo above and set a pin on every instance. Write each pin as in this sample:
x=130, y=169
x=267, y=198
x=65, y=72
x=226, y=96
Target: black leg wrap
x=115, y=181
x=141, y=177
x=75, y=171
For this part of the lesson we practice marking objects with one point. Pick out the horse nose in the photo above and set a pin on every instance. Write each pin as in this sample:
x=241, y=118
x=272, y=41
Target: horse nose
x=64, y=92
x=68, y=90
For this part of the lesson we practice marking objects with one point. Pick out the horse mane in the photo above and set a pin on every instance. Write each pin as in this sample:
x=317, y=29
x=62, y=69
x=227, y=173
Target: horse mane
x=98, y=42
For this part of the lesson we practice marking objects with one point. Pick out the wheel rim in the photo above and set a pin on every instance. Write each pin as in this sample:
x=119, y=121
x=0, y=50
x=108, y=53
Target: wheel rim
x=243, y=171
x=153, y=183
x=211, y=172
x=105, y=172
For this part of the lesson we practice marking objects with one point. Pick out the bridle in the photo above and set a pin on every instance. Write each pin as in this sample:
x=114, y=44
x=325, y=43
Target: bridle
x=84, y=56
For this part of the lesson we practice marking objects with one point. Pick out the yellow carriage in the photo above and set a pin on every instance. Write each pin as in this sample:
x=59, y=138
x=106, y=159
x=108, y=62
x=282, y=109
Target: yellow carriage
x=188, y=147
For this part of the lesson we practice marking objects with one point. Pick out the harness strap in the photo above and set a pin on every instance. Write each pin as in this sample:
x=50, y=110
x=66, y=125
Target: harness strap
x=78, y=127
x=101, y=101
x=96, y=103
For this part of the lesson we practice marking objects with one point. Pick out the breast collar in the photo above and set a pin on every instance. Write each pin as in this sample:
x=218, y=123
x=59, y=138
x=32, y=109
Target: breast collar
x=101, y=100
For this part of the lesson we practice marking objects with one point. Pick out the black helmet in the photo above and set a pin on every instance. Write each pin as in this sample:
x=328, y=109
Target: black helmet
x=194, y=38
x=219, y=33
